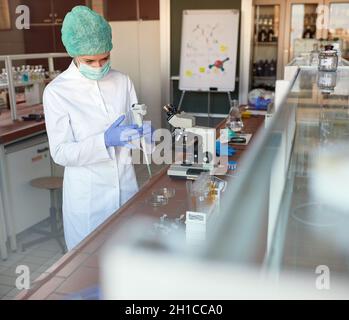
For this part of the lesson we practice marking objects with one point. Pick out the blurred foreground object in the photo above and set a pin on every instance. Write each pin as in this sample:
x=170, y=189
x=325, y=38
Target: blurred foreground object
x=330, y=177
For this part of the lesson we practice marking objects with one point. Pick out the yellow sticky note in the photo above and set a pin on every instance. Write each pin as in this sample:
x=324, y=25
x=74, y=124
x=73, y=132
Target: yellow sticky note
x=189, y=73
x=223, y=48
x=202, y=69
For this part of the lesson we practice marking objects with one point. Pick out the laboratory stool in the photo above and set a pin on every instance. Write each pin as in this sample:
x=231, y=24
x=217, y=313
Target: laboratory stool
x=53, y=184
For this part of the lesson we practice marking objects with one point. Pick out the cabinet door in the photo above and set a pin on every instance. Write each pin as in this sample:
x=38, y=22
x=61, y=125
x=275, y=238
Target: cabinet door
x=302, y=31
x=338, y=24
x=61, y=8
x=266, y=40
x=149, y=9
x=39, y=39
x=60, y=63
x=40, y=11
x=121, y=10
x=28, y=205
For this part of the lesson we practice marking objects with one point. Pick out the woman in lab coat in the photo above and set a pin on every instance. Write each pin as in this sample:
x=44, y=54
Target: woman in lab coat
x=84, y=109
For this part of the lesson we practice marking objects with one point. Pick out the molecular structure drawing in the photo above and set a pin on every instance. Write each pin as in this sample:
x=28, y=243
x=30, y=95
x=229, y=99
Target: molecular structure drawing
x=219, y=64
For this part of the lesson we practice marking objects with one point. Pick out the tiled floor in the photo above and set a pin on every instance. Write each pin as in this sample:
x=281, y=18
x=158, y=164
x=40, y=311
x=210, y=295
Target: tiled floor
x=41, y=256
x=37, y=258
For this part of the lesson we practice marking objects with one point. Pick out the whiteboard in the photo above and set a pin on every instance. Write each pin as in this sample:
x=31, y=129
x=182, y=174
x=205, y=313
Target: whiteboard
x=209, y=50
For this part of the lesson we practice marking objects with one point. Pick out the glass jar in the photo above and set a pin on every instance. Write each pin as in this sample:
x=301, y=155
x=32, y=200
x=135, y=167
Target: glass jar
x=328, y=59
x=327, y=81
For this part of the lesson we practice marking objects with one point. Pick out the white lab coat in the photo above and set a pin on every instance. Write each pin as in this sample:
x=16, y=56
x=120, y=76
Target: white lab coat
x=97, y=180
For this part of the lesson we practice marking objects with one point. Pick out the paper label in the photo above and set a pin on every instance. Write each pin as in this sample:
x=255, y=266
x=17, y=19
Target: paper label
x=328, y=62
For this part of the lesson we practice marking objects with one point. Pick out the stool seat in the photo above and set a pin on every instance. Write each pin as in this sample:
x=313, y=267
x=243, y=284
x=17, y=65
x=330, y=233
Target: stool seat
x=48, y=183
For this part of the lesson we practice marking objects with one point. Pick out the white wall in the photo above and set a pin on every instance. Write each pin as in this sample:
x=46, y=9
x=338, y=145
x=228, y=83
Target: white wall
x=136, y=52
x=245, y=49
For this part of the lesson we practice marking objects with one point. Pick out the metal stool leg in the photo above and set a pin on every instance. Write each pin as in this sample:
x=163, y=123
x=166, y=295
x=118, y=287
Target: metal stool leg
x=54, y=233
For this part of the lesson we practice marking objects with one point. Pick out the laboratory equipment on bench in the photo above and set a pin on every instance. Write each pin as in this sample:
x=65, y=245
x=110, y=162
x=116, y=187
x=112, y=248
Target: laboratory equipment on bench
x=161, y=196
x=138, y=112
x=238, y=140
x=34, y=117
x=195, y=147
x=158, y=200
x=234, y=121
x=166, y=192
x=327, y=81
x=167, y=225
x=328, y=59
x=205, y=195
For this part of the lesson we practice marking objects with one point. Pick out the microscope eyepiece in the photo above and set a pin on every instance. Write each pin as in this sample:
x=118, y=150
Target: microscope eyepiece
x=170, y=109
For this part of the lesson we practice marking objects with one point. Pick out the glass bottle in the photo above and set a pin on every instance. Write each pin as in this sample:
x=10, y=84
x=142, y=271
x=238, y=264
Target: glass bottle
x=314, y=55
x=272, y=68
x=259, y=68
x=271, y=34
x=254, y=69
x=3, y=76
x=307, y=33
x=265, y=69
x=270, y=30
x=25, y=74
x=263, y=35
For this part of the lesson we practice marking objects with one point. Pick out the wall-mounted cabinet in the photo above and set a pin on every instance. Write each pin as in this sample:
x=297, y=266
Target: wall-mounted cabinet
x=267, y=43
x=310, y=22
x=149, y=9
x=304, y=21
x=43, y=12
x=130, y=10
x=283, y=30
x=338, y=24
x=121, y=10
x=44, y=35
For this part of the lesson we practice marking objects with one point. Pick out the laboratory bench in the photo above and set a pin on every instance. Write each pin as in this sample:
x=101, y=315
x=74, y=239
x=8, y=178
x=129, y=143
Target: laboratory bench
x=13, y=130
x=79, y=268
x=272, y=222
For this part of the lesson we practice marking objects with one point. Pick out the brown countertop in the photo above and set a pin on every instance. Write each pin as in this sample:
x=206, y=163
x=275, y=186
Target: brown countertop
x=14, y=130
x=79, y=268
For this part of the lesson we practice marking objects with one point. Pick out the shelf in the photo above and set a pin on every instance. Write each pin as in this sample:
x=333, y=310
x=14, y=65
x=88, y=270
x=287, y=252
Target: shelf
x=264, y=78
x=268, y=44
x=30, y=83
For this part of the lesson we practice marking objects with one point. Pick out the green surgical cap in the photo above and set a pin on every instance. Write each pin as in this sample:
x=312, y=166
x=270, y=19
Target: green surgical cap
x=85, y=32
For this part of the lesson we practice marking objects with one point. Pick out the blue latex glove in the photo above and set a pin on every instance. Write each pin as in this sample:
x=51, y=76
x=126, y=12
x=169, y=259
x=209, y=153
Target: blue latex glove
x=225, y=151
x=120, y=136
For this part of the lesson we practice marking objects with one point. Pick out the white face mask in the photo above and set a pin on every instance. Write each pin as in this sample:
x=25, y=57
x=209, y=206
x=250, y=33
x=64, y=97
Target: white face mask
x=93, y=73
